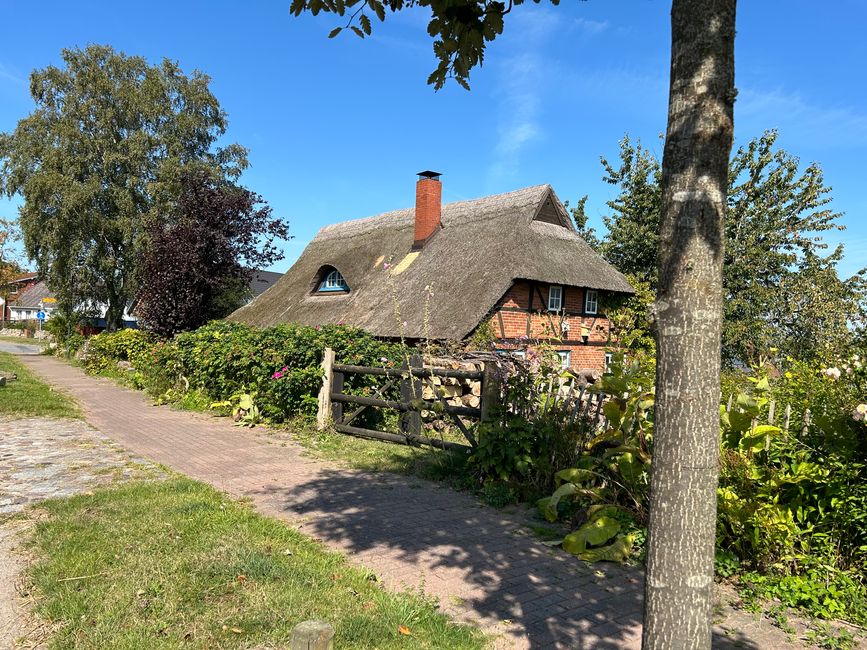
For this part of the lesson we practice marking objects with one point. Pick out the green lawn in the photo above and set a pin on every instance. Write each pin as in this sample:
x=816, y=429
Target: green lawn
x=20, y=339
x=176, y=564
x=379, y=456
x=28, y=396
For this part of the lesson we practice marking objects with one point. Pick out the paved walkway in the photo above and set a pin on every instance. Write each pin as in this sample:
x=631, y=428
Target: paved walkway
x=20, y=348
x=475, y=560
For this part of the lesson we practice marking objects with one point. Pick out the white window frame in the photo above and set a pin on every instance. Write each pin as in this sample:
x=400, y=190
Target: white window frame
x=565, y=358
x=334, y=281
x=591, y=301
x=609, y=359
x=559, y=295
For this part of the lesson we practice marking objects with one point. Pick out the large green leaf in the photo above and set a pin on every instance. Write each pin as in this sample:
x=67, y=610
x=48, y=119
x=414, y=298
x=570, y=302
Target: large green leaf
x=596, y=531
x=618, y=551
x=575, y=475
x=548, y=505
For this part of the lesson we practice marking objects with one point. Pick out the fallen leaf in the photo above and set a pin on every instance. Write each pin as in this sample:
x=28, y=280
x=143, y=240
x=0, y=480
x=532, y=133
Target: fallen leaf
x=506, y=621
x=237, y=630
x=241, y=578
x=403, y=629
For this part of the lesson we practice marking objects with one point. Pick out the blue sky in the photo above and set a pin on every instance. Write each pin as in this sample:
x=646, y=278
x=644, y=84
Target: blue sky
x=338, y=128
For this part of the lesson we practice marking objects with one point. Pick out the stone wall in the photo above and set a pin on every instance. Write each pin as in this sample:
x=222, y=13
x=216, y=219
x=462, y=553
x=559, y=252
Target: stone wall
x=30, y=334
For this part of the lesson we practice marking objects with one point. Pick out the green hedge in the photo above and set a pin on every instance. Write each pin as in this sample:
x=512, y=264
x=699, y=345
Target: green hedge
x=280, y=366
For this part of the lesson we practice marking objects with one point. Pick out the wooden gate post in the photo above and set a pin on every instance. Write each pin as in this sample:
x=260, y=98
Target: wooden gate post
x=324, y=415
x=491, y=390
x=410, y=421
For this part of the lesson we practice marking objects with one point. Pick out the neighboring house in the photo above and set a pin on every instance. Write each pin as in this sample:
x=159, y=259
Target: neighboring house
x=512, y=262
x=261, y=282
x=28, y=303
x=13, y=290
x=39, y=296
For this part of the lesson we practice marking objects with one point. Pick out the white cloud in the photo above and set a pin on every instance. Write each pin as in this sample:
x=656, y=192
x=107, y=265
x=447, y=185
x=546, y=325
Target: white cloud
x=812, y=124
x=591, y=27
x=7, y=75
x=522, y=81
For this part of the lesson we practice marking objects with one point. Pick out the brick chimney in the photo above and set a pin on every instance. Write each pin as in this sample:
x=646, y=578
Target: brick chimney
x=428, y=207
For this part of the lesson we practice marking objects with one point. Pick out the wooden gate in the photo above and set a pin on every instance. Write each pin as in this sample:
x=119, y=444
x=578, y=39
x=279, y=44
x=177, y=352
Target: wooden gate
x=410, y=379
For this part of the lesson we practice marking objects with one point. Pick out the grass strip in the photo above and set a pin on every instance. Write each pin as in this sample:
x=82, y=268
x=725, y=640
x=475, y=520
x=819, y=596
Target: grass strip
x=29, y=396
x=176, y=564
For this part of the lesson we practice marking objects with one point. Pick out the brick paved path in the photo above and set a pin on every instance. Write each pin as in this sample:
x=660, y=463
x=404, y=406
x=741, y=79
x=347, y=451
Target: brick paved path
x=475, y=560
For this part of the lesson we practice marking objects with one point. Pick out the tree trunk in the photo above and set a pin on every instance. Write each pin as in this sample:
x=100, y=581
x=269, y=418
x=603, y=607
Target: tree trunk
x=679, y=587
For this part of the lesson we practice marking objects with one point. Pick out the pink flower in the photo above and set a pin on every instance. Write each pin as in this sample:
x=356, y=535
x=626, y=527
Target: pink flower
x=277, y=375
x=340, y=322
x=386, y=266
x=317, y=328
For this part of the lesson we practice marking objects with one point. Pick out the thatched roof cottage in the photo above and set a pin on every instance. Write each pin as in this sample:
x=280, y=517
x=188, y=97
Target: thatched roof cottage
x=439, y=271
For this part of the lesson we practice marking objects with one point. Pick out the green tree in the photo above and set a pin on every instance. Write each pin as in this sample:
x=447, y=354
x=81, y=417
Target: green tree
x=203, y=253
x=632, y=239
x=775, y=261
x=698, y=143
x=98, y=158
x=579, y=219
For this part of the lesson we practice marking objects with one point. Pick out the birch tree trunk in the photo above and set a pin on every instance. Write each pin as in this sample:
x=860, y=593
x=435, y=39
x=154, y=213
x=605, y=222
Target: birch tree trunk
x=679, y=587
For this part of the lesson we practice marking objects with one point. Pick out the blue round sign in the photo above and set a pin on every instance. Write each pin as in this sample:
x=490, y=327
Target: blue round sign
x=40, y=315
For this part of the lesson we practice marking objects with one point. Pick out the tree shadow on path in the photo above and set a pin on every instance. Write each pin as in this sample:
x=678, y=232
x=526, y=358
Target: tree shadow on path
x=481, y=563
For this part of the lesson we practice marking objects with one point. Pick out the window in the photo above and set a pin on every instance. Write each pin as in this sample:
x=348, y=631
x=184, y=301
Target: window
x=591, y=301
x=555, y=298
x=333, y=281
x=609, y=358
x=565, y=358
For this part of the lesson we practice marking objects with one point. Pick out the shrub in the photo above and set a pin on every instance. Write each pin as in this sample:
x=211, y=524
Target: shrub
x=531, y=435
x=604, y=495
x=106, y=349
x=280, y=365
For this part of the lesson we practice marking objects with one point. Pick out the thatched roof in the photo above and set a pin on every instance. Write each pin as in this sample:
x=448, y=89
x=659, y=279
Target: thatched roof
x=484, y=246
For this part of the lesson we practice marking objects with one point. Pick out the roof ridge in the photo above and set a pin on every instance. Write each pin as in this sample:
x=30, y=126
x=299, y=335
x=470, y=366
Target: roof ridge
x=402, y=216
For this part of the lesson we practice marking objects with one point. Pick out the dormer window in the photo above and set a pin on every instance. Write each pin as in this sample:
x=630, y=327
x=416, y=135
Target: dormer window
x=332, y=282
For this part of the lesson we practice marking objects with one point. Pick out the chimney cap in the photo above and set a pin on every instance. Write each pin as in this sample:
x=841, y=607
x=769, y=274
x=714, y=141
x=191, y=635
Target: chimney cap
x=429, y=174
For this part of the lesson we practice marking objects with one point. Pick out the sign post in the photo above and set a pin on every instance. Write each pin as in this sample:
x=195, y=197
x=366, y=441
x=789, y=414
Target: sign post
x=40, y=317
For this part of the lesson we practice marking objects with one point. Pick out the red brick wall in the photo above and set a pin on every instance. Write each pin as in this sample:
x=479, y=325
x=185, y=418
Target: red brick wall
x=515, y=318
x=428, y=207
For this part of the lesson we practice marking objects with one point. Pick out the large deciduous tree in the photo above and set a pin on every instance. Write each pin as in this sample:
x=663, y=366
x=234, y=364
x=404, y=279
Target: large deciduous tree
x=775, y=264
x=97, y=158
x=689, y=307
x=202, y=253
